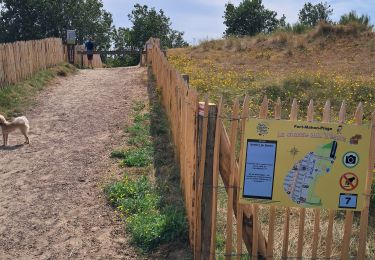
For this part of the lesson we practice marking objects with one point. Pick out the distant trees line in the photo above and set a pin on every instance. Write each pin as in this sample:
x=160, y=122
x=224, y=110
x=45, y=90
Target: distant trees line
x=35, y=19
x=250, y=17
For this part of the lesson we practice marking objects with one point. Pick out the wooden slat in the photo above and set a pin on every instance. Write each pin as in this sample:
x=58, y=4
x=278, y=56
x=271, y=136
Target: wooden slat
x=215, y=178
x=254, y=252
x=244, y=116
x=207, y=199
x=327, y=112
x=271, y=224
x=294, y=111
x=342, y=113
x=329, y=237
x=365, y=211
x=233, y=139
x=301, y=230
x=316, y=233
x=199, y=188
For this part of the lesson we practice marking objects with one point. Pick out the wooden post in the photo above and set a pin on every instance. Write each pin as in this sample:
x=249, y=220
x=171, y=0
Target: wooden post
x=205, y=181
x=243, y=120
x=233, y=171
x=365, y=211
x=215, y=180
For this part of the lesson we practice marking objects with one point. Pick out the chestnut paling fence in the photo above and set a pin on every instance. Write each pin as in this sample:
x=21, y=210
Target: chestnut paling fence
x=204, y=150
x=20, y=60
x=81, y=60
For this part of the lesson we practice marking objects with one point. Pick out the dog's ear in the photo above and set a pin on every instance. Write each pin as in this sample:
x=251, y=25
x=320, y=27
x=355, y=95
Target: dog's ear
x=2, y=119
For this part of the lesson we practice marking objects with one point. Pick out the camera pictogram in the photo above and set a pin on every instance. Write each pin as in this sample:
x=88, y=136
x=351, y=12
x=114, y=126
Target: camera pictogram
x=350, y=159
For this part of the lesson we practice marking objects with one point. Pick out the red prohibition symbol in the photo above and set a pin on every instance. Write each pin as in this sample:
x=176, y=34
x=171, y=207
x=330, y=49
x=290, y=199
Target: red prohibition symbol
x=349, y=181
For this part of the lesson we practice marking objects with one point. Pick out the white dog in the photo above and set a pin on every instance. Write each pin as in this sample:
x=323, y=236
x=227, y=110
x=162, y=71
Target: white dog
x=20, y=123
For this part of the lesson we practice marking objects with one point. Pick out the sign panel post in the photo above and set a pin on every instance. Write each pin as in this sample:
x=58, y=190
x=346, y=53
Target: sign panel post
x=71, y=42
x=302, y=164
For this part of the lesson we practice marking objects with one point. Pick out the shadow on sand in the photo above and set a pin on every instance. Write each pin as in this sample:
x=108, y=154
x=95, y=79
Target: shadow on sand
x=11, y=148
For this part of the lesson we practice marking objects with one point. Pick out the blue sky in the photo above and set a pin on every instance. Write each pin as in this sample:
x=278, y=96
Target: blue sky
x=203, y=19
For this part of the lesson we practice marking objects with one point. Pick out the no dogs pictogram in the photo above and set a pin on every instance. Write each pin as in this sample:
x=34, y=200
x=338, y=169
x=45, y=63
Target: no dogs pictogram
x=349, y=181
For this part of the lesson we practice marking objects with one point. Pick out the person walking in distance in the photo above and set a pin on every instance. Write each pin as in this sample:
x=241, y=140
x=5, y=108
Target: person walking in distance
x=89, y=45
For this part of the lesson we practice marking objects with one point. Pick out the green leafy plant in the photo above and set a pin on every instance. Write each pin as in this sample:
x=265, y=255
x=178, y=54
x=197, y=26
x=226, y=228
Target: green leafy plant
x=137, y=157
x=148, y=223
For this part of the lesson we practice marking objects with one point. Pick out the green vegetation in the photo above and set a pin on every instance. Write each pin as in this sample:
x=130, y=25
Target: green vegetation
x=146, y=23
x=137, y=157
x=153, y=213
x=33, y=19
x=353, y=18
x=311, y=15
x=15, y=98
x=250, y=17
x=147, y=220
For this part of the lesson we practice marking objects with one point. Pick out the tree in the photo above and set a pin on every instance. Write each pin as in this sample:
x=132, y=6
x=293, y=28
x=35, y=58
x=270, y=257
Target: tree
x=352, y=17
x=250, y=17
x=36, y=19
x=311, y=15
x=149, y=23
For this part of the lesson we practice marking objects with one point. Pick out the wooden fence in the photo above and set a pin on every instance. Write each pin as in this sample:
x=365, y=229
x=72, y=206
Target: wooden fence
x=82, y=60
x=204, y=149
x=20, y=60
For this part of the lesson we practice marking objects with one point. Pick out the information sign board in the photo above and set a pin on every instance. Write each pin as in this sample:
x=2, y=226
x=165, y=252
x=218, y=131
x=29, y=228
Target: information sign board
x=71, y=37
x=301, y=164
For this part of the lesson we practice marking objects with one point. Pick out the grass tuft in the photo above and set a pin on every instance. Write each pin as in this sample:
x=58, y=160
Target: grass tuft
x=137, y=157
x=14, y=99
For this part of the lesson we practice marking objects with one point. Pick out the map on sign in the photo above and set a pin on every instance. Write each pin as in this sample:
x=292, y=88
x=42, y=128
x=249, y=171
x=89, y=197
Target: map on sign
x=301, y=164
x=71, y=37
x=300, y=183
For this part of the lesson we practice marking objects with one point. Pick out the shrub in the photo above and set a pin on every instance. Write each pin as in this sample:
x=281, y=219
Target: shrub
x=352, y=18
x=325, y=29
x=300, y=28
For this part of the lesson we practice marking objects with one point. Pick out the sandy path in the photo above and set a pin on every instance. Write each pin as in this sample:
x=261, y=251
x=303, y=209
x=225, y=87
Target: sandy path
x=50, y=204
